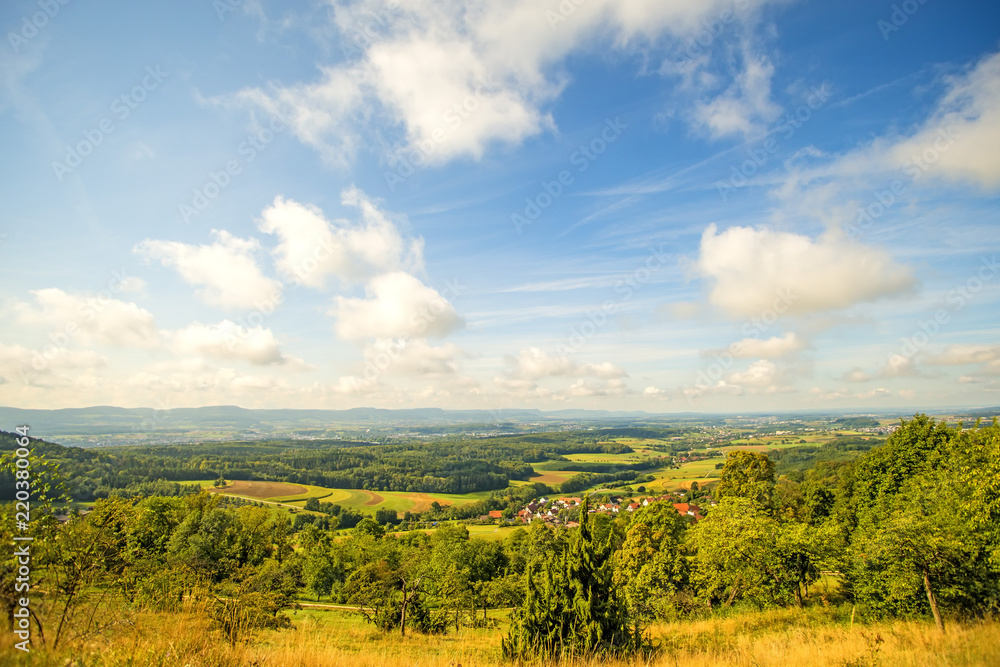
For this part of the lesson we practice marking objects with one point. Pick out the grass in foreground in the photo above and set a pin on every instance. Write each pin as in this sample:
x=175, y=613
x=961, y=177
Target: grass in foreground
x=817, y=637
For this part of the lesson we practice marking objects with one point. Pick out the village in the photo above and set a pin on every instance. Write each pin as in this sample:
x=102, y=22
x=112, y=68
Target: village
x=566, y=511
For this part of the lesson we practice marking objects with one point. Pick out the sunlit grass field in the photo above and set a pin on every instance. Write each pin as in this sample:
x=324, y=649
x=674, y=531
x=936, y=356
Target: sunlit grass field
x=817, y=637
x=356, y=499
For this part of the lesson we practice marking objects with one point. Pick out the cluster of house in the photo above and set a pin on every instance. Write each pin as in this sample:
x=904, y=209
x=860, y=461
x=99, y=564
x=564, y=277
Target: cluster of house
x=549, y=511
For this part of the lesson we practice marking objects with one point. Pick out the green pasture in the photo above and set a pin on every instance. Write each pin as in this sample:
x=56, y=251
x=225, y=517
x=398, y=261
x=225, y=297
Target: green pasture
x=401, y=501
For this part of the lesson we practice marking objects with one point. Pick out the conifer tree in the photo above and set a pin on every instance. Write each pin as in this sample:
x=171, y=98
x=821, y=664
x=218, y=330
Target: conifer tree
x=579, y=611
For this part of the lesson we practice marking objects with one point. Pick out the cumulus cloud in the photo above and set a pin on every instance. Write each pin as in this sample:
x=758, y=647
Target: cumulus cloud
x=720, y=387
x=856, y=374
x=228, y=340
x=179, y=382
x=20, y=365
x=879, y=392
x=534, y=364
x=311, y=248
x=899, y=365
x=459, y=75
x=224, y=272
x=412, y=357
x=771, y=348
x=583, y=388
x=763, y=376
x=396, y=305
x=531, y=365
x=100, y=319
x=758, y=270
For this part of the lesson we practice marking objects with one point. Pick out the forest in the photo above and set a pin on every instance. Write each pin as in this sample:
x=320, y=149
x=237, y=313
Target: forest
x=454, y=465
x=906, y=530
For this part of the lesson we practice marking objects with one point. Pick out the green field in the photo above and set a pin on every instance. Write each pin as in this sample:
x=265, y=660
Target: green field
x=666, y=480
x=356, y=499
x=680, y=478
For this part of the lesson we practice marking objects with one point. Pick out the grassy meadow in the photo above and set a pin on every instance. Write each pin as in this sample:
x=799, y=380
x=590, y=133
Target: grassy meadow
x=818, y=637
x=294, y=496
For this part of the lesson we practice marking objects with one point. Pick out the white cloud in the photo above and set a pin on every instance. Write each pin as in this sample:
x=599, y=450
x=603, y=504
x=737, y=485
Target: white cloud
x=412, y=357
x=969, y=114
x=754, y=271
x=459, y=75
x=311, y=247
x=352, y=385
x=534, y=364
x=583, y=388
x=20, y=365
x=763, y=376
x=856, y=375
x=745, y=108
x=880, y=392
x=899, y=366
x=958, y=355
x=397, y=305
x=317, y=112
x=99, y=318
x=828, y=395
x=195, y=381
x=958, y=142
x=720, y=387
x=228, y=340
x=771, y=348
x=225, y=272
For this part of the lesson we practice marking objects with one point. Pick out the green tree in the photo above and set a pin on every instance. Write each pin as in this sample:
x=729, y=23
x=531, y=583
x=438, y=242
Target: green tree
x=745, y=552
x=368, y=526
x=924, y=537
x=747, y=475
x=651, y=567
x=577, y=610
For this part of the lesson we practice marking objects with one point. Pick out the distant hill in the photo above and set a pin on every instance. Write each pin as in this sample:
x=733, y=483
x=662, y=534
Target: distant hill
x=108, y=420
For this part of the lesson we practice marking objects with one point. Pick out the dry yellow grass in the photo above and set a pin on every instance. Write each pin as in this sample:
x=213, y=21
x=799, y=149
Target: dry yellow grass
x=783, y=638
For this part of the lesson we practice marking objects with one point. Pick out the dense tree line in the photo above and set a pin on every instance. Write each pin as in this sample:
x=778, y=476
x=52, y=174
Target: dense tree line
x=445, y=466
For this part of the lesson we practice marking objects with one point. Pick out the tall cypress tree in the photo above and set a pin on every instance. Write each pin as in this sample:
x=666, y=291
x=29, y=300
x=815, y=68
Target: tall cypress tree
x=579, y=612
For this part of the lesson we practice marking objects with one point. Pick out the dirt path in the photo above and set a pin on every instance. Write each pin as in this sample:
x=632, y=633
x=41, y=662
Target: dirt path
x=422, y=502
x=375, y=498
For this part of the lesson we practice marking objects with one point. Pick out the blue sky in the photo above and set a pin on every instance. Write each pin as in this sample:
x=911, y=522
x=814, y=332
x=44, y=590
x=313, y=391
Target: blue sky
x=651, y=205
